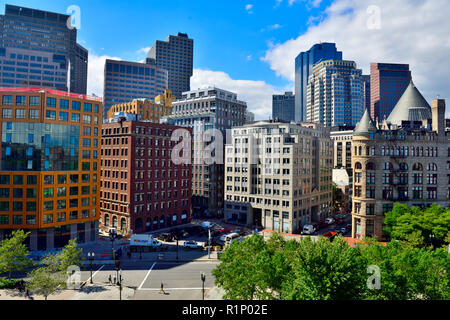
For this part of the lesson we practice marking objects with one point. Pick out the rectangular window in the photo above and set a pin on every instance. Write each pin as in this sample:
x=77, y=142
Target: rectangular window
x=7, y=100
x=51, y=102
x=50, y=114
x=7, y=113
x=4, y=206
x=75, y=117
x=31, y=219
x=17, y=219
x=34, y=101
x=48, y=218
x=61, y=191
x=21, y=100
x=48, y=192
x=31, y=206
x=31, y=180
x=21, y=113
x=4, y=219
x=34, y=114
x=76, y=105
x=63, y=104
x=63, y=116
x=18, y=179
x=48, y=179
x=87, y=107
x=60, y=217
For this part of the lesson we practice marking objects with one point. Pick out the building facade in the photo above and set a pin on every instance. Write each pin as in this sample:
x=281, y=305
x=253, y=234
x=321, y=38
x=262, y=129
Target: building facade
x=142, y=189
x=152, y=110
x=402, y=160
x=176, y=55
x=283, y=106
x=335, y=93
x=37, y=49
x=204, y=110
x=125, y=81
x=388, y=81
x=278, y=175
x=304, y=63
x=50, y=166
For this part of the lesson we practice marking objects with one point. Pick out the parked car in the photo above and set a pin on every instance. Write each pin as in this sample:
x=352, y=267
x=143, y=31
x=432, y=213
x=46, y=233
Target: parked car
x=191, y=244
x=207, y=224
x=308, y=229
x=224, y=229
x=329, y=221
x=231, y=237
x=165, y=236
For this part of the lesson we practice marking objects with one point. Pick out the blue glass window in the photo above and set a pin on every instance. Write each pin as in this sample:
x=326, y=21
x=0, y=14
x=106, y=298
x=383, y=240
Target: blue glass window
x=47, y=138
x=8, y=137
x=51, y=102
x=8, y=125
x=76, y=105
x=64, y=104
x=46, y=164
x=96, y=108
x=30, y=138
x=30, y=151
x=47, y=152
x=8, y=151
x=87, y=107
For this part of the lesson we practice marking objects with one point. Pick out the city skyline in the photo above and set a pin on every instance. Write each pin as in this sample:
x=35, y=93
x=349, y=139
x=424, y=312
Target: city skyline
x=264, y=66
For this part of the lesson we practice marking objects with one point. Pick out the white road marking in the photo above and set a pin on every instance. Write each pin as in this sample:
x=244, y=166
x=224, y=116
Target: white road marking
x=95, y=273
x=167, y=289
x=148, y=273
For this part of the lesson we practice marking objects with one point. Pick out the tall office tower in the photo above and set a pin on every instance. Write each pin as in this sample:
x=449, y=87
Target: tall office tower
x=283, y=106
x=151, y=110
x=50, y=166
x=125, y=81
x=304, y=63
x=176, y=55
x=201, y=110
x=388, y=81
x=37, y=49
x=142, y=189
x=335, y=93
x=366, y=80
x=401, y=160
x=278, y=175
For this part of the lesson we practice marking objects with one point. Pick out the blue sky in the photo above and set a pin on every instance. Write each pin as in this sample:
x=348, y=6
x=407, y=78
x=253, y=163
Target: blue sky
x=227, y=36
x=249, y=46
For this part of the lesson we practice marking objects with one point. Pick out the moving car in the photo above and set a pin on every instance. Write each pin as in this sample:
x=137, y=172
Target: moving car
x=308, y=229
x=191, y=244
x=329, y=220
x=229, y=238
x=207, y=224
x=164, y=236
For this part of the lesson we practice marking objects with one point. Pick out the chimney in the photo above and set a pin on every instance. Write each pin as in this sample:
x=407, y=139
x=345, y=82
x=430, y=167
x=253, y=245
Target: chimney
x=438, y=116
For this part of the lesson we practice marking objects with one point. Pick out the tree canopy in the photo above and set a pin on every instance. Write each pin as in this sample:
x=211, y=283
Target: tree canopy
x=324, y=270
x=14, y=253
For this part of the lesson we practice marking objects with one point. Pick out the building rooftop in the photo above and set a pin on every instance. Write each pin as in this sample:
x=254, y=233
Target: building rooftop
x=412, y=106
x=365, y=125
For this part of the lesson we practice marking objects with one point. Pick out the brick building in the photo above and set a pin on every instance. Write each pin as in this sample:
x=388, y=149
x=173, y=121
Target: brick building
x=141, y=188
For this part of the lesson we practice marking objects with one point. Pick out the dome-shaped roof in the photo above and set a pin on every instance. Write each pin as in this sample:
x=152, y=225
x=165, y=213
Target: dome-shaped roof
x=412, y=106
x=365, y=125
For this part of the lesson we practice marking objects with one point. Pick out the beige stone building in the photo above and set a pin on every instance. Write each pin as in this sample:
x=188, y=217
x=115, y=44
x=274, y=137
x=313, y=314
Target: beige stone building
x=405, y=159
x=278, y=175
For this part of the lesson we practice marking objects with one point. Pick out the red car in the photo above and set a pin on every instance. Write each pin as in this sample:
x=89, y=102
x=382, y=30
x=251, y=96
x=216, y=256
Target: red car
x=224, y=229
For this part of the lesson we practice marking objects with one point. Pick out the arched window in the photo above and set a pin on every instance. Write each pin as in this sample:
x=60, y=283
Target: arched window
x=403, y=166
x=106, y=220
x=169, y=220
x=417, y=167
x=370, y=166
x=358, y=166
x=114, y=221
x=123, y=224
x=148, y=224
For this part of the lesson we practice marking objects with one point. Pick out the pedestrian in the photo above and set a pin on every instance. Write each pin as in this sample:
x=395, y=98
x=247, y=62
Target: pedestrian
x=162, y=288
x=109, y=278
x=114, y=280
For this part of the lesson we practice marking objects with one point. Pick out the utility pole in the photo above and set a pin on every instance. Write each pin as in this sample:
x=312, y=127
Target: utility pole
x=209, y=243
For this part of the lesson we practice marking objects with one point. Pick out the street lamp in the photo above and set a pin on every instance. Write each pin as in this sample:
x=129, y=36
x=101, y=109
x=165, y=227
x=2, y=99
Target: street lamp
x=117, y=270
x=91, y=256
x=120, y=284
x=203, y=277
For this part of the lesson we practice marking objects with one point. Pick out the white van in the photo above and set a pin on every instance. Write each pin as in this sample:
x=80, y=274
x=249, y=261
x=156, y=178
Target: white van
x=230, y=237
x=144, y=240
x=308, y=229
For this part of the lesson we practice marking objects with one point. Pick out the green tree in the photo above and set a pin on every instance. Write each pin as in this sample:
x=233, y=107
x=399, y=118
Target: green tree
x=422, y=226
x=324, y=270
x=14, y=253
x=244, y=269
x=45, y=281
x=70, y=255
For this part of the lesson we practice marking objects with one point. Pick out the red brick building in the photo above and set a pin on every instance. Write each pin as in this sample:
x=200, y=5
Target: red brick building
x=141, y=188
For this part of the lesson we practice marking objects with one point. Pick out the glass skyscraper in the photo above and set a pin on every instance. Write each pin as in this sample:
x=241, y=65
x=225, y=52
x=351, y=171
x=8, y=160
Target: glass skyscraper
x=303, y=69
x=283, y=106
x=37, y=49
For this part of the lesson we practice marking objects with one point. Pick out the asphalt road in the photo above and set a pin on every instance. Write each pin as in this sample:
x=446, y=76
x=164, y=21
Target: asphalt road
x=182, y=281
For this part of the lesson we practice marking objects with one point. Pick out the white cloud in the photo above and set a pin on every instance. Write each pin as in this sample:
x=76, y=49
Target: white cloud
x=143, y=51
x=257, y=94
x=96, y=67
x=272, y=27
x=413, y=32
x=249, y=7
